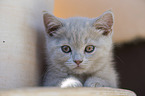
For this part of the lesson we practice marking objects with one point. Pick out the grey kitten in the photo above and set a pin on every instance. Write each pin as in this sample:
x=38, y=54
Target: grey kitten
x=79, y=52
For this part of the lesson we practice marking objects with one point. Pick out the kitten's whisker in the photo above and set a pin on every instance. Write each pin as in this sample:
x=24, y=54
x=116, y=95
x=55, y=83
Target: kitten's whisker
x=120, y=59
x=70, y=64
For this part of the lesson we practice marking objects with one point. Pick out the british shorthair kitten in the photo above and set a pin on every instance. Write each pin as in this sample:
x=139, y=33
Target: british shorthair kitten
x=79, y=52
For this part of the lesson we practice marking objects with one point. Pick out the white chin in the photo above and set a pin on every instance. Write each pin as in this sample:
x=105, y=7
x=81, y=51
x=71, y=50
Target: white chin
x=78, y=70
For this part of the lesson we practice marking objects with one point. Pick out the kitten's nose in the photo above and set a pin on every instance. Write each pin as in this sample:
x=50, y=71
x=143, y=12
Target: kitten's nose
x=78, y=61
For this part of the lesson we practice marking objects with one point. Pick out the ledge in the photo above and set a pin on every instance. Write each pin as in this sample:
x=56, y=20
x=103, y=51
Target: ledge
x=45, y=91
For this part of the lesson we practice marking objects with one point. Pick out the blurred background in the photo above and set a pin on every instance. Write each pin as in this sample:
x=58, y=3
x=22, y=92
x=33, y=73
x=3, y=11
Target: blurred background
x=129, y=34
x=22, y=40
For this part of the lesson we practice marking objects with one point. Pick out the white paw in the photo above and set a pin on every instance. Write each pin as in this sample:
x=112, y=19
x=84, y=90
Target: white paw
x=71, y=83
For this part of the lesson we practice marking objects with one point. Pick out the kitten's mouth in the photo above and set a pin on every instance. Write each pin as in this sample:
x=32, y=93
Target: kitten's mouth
x=78, y=67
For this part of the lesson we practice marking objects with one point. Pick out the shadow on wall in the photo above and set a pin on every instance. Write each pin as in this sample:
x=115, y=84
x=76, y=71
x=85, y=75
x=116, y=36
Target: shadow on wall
x=130, y=62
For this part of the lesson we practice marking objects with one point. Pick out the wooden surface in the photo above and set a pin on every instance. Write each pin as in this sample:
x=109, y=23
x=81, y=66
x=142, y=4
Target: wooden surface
x=67, y=92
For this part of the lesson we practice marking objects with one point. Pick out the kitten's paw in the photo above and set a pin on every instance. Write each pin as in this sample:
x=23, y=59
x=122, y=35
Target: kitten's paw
x=95, y=83
x=71, y=83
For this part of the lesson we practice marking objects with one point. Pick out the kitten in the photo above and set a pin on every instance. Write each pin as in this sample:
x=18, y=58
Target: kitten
x=79, y=52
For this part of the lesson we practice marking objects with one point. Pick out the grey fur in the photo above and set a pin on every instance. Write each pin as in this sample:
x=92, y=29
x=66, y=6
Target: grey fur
x=97, y=68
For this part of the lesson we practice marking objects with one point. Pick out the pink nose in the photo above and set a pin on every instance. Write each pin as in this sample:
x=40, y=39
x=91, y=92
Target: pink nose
x=78, y=62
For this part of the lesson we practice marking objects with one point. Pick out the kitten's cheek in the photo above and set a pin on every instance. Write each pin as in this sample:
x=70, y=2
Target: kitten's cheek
x=90, y=56
x=67, y=58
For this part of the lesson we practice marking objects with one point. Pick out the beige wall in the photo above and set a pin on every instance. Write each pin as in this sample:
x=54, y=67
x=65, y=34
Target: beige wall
x=129, y=14
x=21, y=41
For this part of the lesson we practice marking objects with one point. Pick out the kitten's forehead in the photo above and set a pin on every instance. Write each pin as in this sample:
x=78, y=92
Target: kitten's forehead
x=78, y=30
x=78, y=21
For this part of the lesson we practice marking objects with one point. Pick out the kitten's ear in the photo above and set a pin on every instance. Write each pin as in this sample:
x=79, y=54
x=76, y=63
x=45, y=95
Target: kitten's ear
x=105, y=22
x=52, y=24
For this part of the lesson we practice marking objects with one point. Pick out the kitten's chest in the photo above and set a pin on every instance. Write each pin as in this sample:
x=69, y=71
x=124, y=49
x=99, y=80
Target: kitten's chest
x=82, y=78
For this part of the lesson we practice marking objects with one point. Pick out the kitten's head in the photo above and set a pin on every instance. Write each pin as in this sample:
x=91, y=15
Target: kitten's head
x=78, y=44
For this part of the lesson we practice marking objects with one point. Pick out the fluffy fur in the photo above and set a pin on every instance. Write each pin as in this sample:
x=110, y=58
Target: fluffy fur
x=96, y=69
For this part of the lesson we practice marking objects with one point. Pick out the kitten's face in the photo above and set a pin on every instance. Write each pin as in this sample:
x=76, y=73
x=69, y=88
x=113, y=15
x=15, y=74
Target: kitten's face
x=78, y=45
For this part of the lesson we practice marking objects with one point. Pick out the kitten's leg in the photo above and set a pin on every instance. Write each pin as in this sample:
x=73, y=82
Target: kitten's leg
x=60, y=80
x=106, y=77
x=96, y=82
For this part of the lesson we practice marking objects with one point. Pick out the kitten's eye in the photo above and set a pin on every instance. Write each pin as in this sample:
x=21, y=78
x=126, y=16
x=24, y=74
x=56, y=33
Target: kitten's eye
x=66, y=49
x=89, y=48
